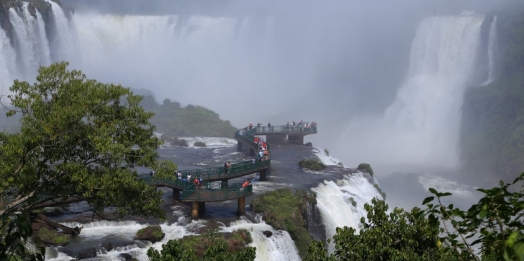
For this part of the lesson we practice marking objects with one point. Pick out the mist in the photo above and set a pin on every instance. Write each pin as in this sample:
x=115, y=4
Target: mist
x=347, y=65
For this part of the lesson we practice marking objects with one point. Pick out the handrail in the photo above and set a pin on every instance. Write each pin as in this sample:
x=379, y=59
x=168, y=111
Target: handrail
x=286, y=129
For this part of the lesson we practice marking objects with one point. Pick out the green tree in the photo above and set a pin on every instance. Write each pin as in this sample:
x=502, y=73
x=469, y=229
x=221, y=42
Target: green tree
x=79, y=140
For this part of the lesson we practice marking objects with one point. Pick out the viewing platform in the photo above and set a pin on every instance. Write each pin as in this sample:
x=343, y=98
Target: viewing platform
x=283, y=133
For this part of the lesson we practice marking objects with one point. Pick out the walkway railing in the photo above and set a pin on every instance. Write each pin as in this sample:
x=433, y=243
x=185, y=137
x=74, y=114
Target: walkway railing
x=285, y=129
x=209, y=194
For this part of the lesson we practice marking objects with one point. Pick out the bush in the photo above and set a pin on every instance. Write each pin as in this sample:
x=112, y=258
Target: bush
x=326, y=151
x=311, y=164
x=199, y=144
x=365, y=167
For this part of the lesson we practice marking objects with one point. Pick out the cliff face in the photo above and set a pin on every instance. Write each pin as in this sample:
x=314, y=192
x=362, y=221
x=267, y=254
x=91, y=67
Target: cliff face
x=492, y=137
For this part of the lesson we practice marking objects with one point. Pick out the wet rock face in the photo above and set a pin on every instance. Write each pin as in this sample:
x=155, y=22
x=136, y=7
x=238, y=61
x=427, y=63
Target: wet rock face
x=268, y=233
x=86, y=253
x=125, y=256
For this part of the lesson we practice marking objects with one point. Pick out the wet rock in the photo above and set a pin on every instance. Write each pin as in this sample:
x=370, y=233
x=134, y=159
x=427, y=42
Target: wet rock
x=125, y=256
x=151, y=233
x=308, y=144
x=86, y=253
x=267, y=233
x=108, y=246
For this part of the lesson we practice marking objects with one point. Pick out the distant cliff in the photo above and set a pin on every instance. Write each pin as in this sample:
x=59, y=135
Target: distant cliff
x=492, y=136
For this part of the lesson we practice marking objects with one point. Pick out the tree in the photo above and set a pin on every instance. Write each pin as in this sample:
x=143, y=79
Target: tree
x=79, y=140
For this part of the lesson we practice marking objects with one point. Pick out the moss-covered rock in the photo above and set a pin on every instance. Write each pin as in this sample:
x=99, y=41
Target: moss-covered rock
x=151, y=233
x=311, y=164
x=177, y=142
x=286, y=210
x=365, y=167
x=199, y=144
x=46, y=236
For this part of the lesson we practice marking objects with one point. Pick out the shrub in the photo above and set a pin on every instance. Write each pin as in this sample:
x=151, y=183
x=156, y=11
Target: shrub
x=366, y=167
x=199, y=144
x=311, y=164
x=326, y=151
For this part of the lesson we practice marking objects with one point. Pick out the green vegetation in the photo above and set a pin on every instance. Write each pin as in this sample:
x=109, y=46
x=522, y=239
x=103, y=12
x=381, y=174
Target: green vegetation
x=366, y=167
x=326, y=151
x=492, y=136
x=79, y=138
x=286, y=210
x=52, y=237
x=199, y=144
x=210, y=246
x=151, y=233
x=175, y=121
x=439, y=232
x=311, y=164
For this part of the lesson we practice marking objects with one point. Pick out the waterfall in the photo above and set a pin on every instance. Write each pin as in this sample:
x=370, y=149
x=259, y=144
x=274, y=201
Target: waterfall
x=279, y=246
x=25, y=38
x=421, y=127
x=43, y=43
x=491, y=49
x=63, y=44
x=7, y=61
x=341, y=202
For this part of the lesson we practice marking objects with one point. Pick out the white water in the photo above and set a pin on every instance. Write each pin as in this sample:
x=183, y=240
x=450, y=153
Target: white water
x=25, y=38
x=7, y=62
x=64, y=41
x=335, y=202
x=421, y=127
x=211, y=142
x=279, y=246
x=491, y=49
x=43, y=44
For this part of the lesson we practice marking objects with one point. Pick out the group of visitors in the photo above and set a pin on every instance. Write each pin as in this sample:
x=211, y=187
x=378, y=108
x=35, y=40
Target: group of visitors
x=302, y=126
x=263, y=152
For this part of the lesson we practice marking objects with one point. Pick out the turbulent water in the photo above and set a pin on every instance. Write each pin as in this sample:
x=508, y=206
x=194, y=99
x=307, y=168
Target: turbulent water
x=492, y=45
x=421, y=127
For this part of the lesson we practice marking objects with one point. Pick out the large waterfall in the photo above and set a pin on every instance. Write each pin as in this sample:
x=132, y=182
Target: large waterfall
x=492, y=45
x=421, y=127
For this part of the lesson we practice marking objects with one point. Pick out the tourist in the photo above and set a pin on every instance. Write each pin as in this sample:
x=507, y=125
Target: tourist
x=225, y=167
x=196, y=182
x=250, y=126
x=260, y=153
x=188, y=177
x=228, y=165
x=179, y=174
x=245, y=184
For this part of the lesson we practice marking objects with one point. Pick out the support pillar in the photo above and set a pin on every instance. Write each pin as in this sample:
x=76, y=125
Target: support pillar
x=224, y=184
x=251, y=152
x=263, y=174
x=194, y=210
x=242, y=206
x=239, y=146
x=201, y=207
x=176, y=194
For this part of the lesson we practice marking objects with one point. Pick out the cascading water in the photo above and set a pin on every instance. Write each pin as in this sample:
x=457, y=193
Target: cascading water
x=63, y=44
x=341, y=202
x=43, y=44
x=7, y=61
x=421, y=127
x=279, y=246
x=491, y=50
x=24, y=40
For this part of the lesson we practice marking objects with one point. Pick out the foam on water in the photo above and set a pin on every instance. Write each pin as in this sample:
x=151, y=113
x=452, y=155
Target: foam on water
x=211, y=142
x=341, y=202
x=325, y=158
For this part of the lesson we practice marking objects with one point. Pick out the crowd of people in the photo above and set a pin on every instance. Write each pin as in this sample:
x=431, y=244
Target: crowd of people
x=301, y=125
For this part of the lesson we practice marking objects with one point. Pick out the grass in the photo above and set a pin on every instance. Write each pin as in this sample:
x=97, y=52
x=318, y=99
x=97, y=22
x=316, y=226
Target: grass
x=285, y=210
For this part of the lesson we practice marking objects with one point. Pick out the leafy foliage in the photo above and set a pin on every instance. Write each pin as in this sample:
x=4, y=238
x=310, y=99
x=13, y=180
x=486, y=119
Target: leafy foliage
x=493, y=225
x=311, y=164
x=366, y=167
x=175, y=121
x=210, y=246
x=79, y=140
x=285, y=210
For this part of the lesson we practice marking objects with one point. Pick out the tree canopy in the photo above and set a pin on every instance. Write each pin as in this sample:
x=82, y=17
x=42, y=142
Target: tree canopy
x=79, y=140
